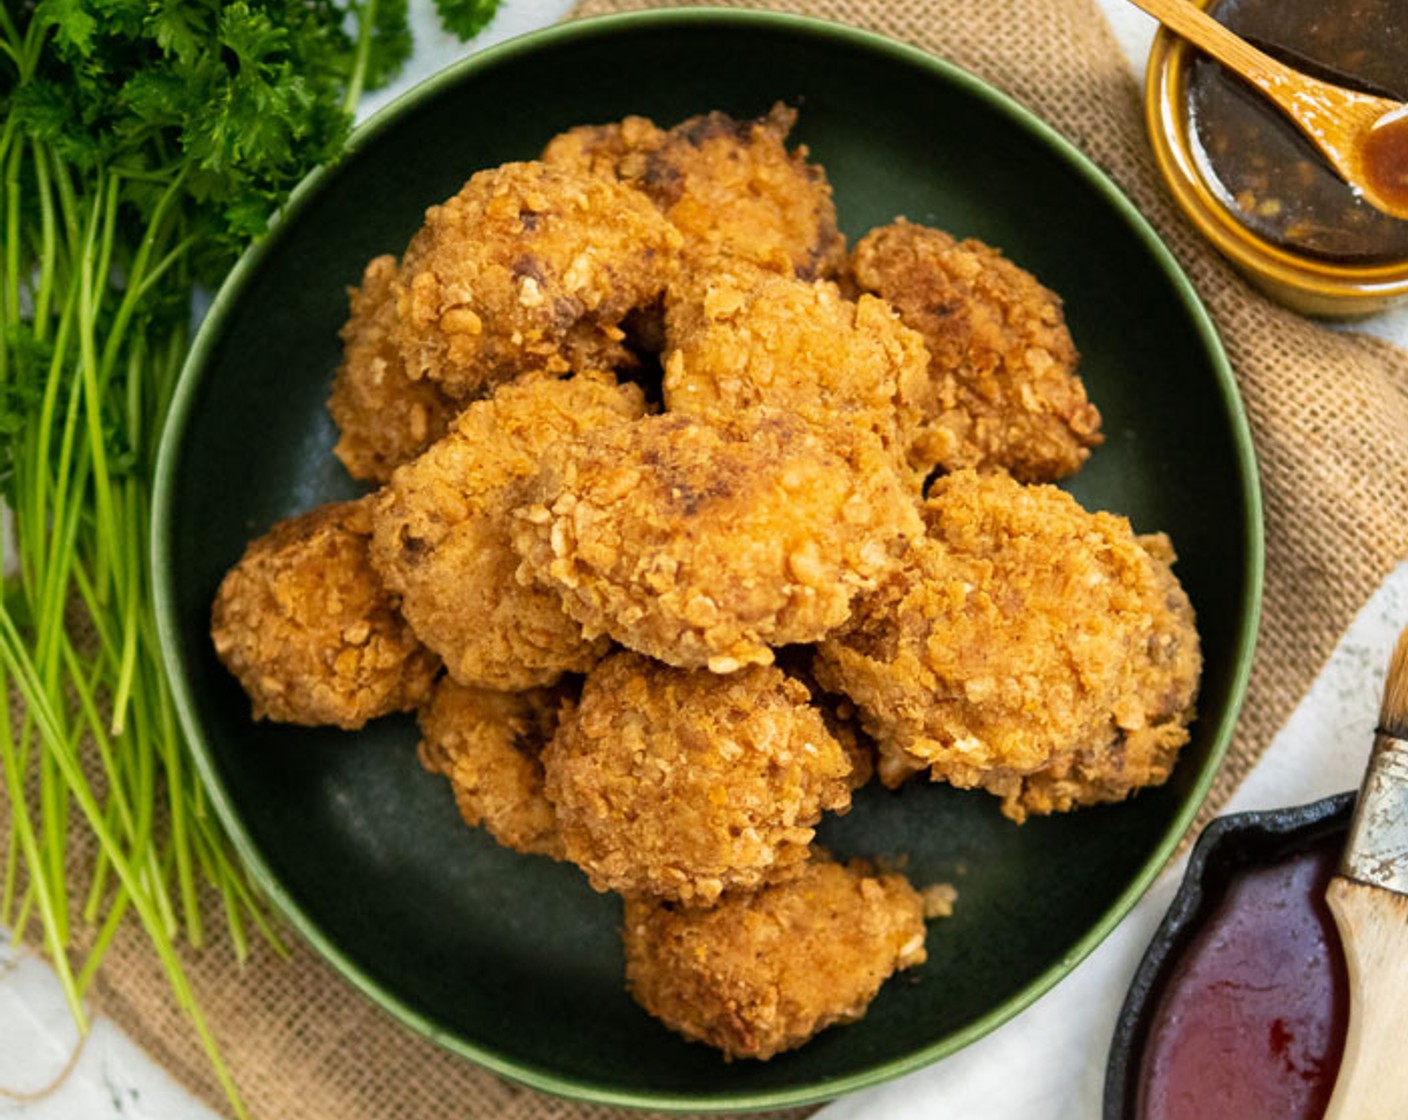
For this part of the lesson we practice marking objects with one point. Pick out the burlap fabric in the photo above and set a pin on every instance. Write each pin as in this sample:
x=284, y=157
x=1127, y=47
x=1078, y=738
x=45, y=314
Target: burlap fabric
x=1330, y=417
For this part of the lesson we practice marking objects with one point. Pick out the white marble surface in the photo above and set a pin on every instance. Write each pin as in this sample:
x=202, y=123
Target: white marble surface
x=1322, y=750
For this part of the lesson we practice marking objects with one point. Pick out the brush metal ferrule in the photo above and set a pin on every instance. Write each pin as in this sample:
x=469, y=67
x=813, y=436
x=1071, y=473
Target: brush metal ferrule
x=1377, y=851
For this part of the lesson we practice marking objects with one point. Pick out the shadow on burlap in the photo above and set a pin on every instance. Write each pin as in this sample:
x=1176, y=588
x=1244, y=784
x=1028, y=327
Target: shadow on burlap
x=1329, y=414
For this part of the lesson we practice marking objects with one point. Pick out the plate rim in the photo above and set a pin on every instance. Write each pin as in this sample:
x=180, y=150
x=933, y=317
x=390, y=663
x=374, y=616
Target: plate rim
x=168, y=630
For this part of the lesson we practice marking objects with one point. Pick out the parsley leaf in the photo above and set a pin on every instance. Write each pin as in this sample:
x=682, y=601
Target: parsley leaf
x=466, y=18
x=391, y=42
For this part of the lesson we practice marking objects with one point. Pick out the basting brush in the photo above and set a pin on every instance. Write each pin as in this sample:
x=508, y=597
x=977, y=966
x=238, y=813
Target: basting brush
x=1369, y=900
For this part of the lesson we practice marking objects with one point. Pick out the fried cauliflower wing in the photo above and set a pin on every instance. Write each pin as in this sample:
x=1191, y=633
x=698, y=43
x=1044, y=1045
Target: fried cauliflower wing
x=1027, y=647
x=740, y=336
x=308, y=629
x=1000, y=357
x=528, y=268
x=763, y=972
x=1126, y=758
x=706, y=544
x=488, y=745
x=442, y=524
x=683, y=783
x=731, y=187
x=384, y=417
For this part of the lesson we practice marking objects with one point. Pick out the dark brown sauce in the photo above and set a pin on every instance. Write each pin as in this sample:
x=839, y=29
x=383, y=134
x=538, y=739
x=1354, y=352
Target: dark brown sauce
x=1385, y=155
x=1250, y=1024
x=1263, y=169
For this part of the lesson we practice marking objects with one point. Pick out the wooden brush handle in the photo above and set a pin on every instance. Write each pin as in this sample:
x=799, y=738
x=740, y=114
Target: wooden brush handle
x=1373, y=1078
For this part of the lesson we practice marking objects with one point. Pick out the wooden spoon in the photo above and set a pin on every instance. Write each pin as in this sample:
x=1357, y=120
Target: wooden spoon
x=1364, y=138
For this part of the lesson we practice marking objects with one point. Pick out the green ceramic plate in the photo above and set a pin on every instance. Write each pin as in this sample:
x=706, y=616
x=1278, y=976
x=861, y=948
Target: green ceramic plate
x=514, y=961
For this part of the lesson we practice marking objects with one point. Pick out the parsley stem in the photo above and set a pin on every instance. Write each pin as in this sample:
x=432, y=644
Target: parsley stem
x=12, y=35
x=157, y=923
x=7, y=894
x=117, y=910
x=93, y=411
x=119, y=800
x=12, y=241
x=45, y=288
x=366, y=29
x=38, y=883
x=136, y=158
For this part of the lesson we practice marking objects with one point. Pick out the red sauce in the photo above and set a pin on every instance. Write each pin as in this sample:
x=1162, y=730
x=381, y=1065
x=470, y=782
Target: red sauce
x=1251, y=1022
x=1385, y=155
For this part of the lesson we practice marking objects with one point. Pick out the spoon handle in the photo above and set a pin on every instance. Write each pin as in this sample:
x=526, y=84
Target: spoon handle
x=1187, y=19
x=1333, y=118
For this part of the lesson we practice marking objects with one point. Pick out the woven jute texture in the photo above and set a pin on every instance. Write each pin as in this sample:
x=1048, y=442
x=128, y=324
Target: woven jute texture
x=1330, y=417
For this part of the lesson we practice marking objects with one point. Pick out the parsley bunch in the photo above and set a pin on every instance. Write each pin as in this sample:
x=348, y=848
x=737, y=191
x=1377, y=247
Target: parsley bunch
x=143, y=144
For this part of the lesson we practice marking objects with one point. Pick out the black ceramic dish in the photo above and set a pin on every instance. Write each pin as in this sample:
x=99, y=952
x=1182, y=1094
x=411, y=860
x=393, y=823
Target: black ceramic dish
x=514, y=961
x=1228, y=846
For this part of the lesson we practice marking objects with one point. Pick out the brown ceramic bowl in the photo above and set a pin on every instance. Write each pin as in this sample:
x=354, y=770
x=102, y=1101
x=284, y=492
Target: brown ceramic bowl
x=1310, y=285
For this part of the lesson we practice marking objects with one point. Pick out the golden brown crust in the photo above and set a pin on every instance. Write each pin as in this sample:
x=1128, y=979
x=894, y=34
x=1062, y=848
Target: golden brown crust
x=1001, y=359
x=310, y=632
x=1124, y=758
x=730, y=186
x=739, y=336
x=442, y=534
x=488, y=744
x=706, y=544
x=617, y=151
x=1023, y=637
x=840, y=714
x=383, y=416
x=683, y=783
x=997, y=636
x=733, y=189
x=529, y=267
x=763, y=972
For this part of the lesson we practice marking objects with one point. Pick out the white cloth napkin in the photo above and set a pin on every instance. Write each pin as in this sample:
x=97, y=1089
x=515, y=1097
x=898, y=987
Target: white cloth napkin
x=1049, y=1062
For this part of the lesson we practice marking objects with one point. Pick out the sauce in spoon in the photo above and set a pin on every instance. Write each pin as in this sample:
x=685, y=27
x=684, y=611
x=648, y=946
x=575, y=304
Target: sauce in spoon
x=1385, y=156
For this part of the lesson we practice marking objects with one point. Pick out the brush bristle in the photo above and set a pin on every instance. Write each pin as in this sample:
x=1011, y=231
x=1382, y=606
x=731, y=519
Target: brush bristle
x=1393, y=714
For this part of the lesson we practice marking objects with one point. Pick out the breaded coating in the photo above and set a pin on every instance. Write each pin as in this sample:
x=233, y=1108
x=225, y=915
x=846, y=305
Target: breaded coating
x=1001, y=359
x=1126, y=758
x=843, y=722
x=612, y=151
x=1023, y=637
x=528, y=268
x=706, y=544
x=684, y=783
x=442, y=534
x=763, y=972
x=840, y=715
x=731, y=187
x=385, y=418
x=309, y=630
x=488, y=744
x=740, y=336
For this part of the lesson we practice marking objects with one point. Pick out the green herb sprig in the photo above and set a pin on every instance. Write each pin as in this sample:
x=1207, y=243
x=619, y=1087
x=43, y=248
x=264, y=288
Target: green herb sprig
x=144, y=144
